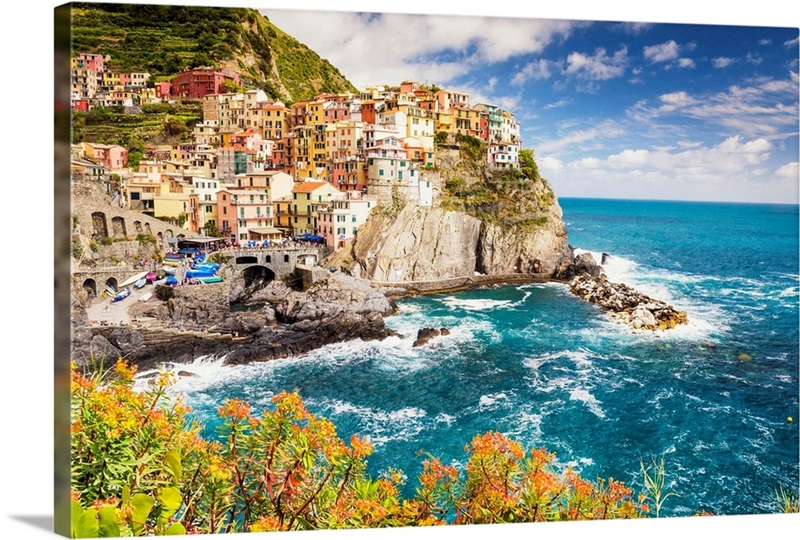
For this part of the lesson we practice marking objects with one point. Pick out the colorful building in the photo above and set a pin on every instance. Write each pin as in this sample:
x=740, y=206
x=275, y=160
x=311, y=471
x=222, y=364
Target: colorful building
x=200, y=82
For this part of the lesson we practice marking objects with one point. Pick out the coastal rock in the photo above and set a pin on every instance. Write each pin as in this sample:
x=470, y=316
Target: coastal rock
x=307, y=335
x=577, y=266
x=420, y=244
x=626, y=304
x=332, y=297
x=424, y=335
x=431, y=244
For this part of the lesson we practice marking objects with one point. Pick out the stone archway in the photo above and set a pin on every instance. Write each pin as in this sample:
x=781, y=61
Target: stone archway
x=147, y=229
x=112, y=282
x=137, y=226
x=100, y=225
x=90, y=286
x=169, y=233
x=257, y=275
x=118, y=227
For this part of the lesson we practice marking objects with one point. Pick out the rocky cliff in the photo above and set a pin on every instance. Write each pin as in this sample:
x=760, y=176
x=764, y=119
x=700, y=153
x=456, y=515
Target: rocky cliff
x=482, y=221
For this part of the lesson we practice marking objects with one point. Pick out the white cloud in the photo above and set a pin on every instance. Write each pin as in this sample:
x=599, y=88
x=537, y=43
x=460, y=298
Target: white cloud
x=766, y=108
x=598, y=67
x=753, y=58
x=791, y=42
x=722, y=62
x=557, y=104
x=790, y=171
x=385, y=48
x=686, y=63
x=536, y=70
x=596, y=137
x=734, y=169
x=662, y=53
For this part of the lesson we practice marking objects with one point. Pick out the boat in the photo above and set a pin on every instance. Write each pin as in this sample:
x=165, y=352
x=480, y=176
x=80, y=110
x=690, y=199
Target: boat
x=171, y=281
x=171, y=263
x=140, y=283
x=170, y=270
x=145, y=297
x=151, y=277
x=121, y=295
x=199, y=273
x=212, y=279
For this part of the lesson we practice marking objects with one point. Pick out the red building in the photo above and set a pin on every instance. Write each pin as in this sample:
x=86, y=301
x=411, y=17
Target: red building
x=163, y=90
x=197, y=83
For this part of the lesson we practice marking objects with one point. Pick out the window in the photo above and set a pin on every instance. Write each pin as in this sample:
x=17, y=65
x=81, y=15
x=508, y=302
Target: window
x=286, y=258
x=269, y=258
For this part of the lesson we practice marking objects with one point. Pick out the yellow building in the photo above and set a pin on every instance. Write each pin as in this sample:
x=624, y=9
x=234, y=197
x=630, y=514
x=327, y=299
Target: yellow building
x=304, y=196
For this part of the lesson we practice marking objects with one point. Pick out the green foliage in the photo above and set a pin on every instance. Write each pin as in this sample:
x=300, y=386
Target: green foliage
x=654, y=479
x=440, y=138
x=788, y=502
x=528, y=166
x=471, y=147
x=164, y=292
x=146, y=239
x=134, y=158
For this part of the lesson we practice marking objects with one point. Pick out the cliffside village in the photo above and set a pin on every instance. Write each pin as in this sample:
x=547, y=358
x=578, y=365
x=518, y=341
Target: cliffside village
x=259, y=170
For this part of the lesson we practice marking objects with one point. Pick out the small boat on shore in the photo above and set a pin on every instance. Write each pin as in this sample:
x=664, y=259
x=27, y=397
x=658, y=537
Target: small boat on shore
x=212, y=279
x=170, y=270
x=140, y=283
x=121, y=295
x=145, y=297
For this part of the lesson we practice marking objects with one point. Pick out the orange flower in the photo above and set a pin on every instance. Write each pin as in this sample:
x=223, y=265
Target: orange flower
x=235, y=409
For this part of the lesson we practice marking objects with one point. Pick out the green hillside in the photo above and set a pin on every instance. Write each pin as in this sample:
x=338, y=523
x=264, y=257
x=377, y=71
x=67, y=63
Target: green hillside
x=164, y=40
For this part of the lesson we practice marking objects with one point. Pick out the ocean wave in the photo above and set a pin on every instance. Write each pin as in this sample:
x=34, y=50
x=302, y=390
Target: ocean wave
x=588, y=399
x=475, y=304
x=487, y=401
x=379, y=425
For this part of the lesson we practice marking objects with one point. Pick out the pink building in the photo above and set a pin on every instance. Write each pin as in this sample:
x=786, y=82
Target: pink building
x=111, y=156
x=163, y=90
x=95, y=62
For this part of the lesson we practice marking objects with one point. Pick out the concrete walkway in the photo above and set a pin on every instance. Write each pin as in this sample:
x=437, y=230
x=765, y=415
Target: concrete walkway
x=112, y=313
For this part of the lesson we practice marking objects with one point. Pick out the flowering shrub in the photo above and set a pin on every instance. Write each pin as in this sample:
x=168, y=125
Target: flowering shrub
x=140, y=468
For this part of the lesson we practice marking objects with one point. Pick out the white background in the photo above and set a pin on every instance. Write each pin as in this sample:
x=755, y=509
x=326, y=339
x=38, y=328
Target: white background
x=27, y=305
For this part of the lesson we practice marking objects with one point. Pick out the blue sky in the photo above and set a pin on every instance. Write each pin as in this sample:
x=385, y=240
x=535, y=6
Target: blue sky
x=612, y=109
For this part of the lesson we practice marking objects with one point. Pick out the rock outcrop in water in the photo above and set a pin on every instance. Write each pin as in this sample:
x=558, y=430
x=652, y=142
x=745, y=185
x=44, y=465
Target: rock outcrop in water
x=626, y=304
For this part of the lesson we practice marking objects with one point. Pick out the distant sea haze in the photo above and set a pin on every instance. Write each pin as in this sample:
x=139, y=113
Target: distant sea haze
x=549, y=369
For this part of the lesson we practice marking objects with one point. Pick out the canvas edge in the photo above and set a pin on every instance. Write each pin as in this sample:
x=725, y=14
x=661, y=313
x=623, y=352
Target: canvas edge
x=61, y=224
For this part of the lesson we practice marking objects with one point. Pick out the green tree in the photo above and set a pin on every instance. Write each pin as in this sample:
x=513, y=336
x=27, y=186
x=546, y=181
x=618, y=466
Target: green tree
x=527, y=164
x=230, y=86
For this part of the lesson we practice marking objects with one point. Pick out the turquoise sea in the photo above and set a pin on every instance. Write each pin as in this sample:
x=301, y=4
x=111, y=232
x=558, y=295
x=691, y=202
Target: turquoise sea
x=544, y=367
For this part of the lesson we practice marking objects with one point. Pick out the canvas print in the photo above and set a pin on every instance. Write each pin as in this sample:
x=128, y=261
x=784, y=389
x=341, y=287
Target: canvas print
x=337, y=270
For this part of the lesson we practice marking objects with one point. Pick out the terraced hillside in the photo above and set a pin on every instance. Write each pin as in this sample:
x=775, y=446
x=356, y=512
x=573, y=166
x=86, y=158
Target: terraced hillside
x=164, y=39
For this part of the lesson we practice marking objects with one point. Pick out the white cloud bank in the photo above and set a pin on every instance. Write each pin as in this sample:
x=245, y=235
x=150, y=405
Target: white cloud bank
x=734, y=170
x=388, y=48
